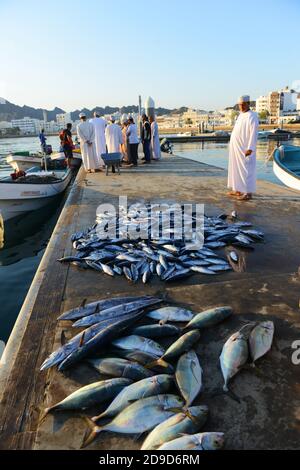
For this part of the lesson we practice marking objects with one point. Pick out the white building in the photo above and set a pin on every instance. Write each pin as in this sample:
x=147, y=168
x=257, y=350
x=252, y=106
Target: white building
x=63, y=119
x=5, y=125
x=27, y=125
x=262, y=104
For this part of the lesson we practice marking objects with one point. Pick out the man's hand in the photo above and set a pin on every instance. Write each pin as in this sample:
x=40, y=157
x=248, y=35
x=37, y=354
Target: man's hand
x=248, y=153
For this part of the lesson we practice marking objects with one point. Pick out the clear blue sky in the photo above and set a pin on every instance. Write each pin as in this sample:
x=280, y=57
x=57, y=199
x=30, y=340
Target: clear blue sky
x=196, y=53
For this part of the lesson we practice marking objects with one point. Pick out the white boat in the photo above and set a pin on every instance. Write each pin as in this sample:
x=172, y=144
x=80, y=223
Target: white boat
x=32, y=191
x=286, y=165
x=23, y=161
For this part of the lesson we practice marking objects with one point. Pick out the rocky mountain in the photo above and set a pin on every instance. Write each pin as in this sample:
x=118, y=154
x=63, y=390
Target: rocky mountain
x=9, y=111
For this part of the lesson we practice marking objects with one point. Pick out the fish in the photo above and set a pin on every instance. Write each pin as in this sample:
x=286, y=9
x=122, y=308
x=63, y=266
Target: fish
x=144, y=359
x=201, y=441
x=202, y=270
x=95, y=307
x=76, y=342
x=234, y=256
x=235, y=354
x=186, y=422
x=189, y=376
x=139, y=343
x=118, y=367
x=102, y=338
x=180, y=274
x=181, y=345
x=117, y=311
x=144, y=388
x=260, y=339
x=210, y=317
x=175, y=314
x=139, y=417
x=128, y=274
x=91, y=395
x=156, y=331
x=107, y=269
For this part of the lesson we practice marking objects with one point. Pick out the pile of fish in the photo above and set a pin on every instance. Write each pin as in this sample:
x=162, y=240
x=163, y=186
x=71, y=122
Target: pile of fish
x=144, y=373
x=152, y=254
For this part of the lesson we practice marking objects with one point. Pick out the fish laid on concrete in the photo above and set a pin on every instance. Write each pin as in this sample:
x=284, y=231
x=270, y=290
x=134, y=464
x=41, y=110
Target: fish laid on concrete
x=202, y=441
x=118, y=367
x=174, y=314
x=210, y=317
x=185, y=422
x=189, y=376
x=141, y=416
x=134, y=342
x=148, y=387
x=156, y=331
x=96, y=307
x=91, y=395
x=235, y=354
x=116, y=311
x=260, y=339
x=101, y=339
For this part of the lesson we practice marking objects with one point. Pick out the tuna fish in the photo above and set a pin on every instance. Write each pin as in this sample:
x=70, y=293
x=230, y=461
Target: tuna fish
x=175, y=314
x=140, y=416
x=156, y=331
x=189, y=376
x=118, y=367
x=202, y=441
x=185, y=422
x=91, y=395
x=144, y=388
x=260, y=339
x=209, y=317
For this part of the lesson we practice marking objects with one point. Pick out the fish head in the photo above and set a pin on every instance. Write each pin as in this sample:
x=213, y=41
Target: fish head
x=212, y=440
x=197, y=412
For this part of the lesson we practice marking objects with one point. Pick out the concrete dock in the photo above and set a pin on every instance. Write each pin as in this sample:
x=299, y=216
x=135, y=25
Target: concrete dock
x=268, y=415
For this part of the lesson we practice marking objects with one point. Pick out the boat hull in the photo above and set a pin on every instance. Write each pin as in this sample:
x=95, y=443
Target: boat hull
x=287, y=168
x=18, y=198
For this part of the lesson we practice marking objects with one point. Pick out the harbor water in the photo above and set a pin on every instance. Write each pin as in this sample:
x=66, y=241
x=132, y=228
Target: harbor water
x=25, y=239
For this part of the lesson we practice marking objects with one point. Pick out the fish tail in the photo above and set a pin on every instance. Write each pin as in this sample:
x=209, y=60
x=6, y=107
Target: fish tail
x=89, y=437
x=45, y=414
x=96, y=418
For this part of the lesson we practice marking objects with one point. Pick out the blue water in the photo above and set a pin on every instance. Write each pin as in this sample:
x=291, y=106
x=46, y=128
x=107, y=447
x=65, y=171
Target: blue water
x=215, y=153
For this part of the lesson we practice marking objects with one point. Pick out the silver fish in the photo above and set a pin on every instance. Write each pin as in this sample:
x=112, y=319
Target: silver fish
x=156, y=331
x=202, y=441
x=260, y=339
x=185, y=422
x=139, y=343
x=118, y=367
x=144, y=388
x=209, y=317
x=175, y=314
x=140, y=416
x=189, y=376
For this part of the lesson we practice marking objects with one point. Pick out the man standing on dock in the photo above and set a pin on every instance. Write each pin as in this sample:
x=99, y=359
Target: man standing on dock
x=86, y=134
x=242, y=153
x=99, y=126
x=146, y=138
x=155, y=143
x=113, y=136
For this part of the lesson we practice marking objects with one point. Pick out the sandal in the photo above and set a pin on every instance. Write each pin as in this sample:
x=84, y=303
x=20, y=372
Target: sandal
x=245, y=197
x=234, y=194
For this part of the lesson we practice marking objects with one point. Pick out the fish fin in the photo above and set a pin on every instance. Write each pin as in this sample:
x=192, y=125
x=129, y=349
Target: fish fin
x=82, y=339
x=63, y=338
x=97, y=309
x=158, y=362
x=88, y=438
x=83, y=303
x=189, y=415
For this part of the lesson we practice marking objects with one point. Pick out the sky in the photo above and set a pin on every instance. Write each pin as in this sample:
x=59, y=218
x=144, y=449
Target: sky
x=196, y=53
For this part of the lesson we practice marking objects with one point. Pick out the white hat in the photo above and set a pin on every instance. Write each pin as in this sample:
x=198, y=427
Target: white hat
x=81, y=115
x=244, y=99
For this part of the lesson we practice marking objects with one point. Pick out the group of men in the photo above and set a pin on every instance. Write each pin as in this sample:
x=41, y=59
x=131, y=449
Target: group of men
x=98, y=137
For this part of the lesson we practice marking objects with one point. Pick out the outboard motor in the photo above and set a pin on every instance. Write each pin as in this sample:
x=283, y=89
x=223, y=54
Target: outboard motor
x=166, y=146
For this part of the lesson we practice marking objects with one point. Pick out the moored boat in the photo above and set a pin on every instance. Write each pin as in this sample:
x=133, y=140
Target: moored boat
x=286, y=165
x=23, y=161
x=31, y=191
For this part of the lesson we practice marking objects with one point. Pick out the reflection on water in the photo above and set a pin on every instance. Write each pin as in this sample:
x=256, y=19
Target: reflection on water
x=215, y=153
